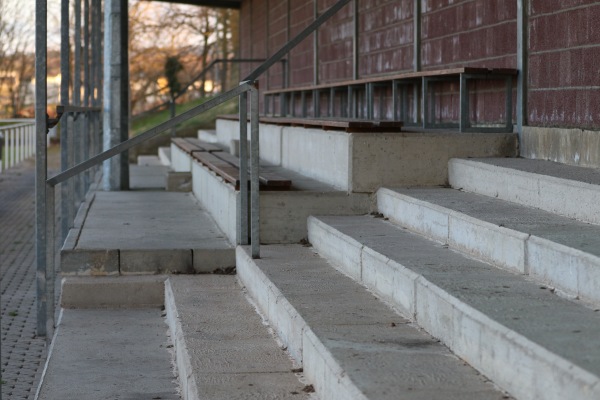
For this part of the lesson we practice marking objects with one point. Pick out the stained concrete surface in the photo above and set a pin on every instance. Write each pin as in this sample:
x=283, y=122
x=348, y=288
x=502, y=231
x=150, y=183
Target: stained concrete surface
x=110, y=355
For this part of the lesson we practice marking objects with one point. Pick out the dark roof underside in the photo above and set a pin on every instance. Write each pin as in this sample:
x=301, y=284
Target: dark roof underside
x=208, y=3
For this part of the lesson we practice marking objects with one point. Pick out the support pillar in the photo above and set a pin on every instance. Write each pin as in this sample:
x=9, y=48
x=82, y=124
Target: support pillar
x=116, y=93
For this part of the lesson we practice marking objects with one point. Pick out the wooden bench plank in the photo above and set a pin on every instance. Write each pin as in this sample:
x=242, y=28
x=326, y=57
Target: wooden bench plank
x=210, y=147
x=222, y=168
x=227, y=167
x=191, y=145
x=269, y=179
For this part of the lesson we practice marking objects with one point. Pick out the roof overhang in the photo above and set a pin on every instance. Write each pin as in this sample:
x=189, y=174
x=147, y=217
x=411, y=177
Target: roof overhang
x=208, y=3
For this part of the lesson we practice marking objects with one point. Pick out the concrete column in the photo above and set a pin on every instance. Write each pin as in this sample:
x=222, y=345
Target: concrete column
x=116, y=93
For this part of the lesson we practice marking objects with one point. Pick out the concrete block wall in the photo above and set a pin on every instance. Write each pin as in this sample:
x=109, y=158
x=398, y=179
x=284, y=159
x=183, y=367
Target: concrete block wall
x=580, y=147
x=362, y=162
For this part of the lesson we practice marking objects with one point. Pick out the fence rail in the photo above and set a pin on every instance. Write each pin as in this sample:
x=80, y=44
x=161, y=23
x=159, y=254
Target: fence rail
x=17, y=142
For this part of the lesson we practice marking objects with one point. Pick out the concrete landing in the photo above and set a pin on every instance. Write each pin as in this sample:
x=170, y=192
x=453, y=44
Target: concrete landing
x=110, y=354
x=224, y=351
x=145, y=232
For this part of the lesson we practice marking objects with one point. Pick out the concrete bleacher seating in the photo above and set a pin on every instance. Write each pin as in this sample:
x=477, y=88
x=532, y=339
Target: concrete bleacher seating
x=433, y=264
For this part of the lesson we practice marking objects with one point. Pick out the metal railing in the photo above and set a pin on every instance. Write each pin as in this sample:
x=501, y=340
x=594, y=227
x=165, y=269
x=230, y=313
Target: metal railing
x=171, y=103
x=17, y=142
x=45, y=188
x=75, y=147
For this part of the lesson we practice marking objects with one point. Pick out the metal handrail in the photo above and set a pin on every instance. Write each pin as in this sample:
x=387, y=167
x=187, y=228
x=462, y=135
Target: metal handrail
x=200, y=75
x=45, y=213
x=17, y=140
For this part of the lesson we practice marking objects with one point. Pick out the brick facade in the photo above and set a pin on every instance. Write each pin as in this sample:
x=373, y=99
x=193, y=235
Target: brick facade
x=563, y=52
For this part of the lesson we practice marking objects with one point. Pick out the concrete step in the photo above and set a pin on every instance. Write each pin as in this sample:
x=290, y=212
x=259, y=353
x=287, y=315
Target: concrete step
x=100, y=354
x=223, y=349
x=164, y=154
x=208, y=135
x=557, y=188
x=557, y=251
x=144, y=232
x=516, y=332
x=350, y=344
x=113, y=342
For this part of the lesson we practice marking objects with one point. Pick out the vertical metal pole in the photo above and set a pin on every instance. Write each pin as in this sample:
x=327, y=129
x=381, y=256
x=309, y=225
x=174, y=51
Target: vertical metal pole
x=41, y=124
x=370, y=89
x=21, y=145
x=124, y=91
x=464, y=104
x=173, y=113
x=243, y=210
x=116, y=94
x=66, y=206
x=86, y=91
x=77, y=137
x=96, y=71
x=395, y=112
x=425, y=101
x=11, y=148
x=50, y=258
x=254, y=169
x=508, y=82
x=522, y=64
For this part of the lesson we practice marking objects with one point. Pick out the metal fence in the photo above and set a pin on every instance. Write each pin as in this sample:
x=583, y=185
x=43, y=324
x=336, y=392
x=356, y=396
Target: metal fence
x=45, y=186
x=17, y=141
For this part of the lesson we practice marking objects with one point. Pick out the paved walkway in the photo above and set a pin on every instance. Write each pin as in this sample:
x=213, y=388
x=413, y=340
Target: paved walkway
x=23, y=354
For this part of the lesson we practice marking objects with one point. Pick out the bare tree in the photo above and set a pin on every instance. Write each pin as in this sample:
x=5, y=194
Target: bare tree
x=16, y=57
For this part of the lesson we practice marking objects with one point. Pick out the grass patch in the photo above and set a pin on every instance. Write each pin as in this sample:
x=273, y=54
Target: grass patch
x=202, y=121
x=188, y=128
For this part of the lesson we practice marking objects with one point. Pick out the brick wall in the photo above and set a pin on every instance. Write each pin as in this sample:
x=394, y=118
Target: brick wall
x=478, y=33
x=564, y=63
x=564, y=49
x=385, y=37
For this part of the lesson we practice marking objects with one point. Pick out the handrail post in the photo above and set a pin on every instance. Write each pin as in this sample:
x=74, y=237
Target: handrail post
x=65, y=159
x=243, y=210
x=41, y=124
x=50, y=259
x=254, y=170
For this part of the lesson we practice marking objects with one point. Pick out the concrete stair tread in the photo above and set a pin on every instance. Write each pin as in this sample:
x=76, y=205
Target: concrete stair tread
x=351, y=344
x=559, y=251
x=561, y=189
x=224, y=351
x=566, y=231
x=109, y=354
x=148, y=232
x=544, y=167
x=471, y=305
